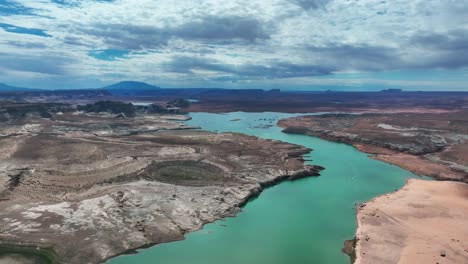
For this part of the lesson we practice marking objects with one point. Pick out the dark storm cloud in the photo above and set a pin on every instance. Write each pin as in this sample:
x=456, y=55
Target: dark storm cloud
x=275, y=70
x=211, y=29
x=48, y=64
x=76, y=41
x=127, y=36
x=456, y=40
x=422, y=51
x=322, y=61
x=223, y=29
x=449, y=50
x=311, y=4
x=359, y=57
x=449, y=60
x=26, y=45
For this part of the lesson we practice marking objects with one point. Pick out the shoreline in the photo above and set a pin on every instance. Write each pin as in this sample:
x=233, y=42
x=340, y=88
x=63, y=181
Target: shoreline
x=231, y=211
x=414, y=225
x=384, y=152
x=377, y=252
x=233, y=207
x=306, y=172
x=413, y=163
x=362, y=147
x=44, y=255
x=128, y=183
x=253, y=194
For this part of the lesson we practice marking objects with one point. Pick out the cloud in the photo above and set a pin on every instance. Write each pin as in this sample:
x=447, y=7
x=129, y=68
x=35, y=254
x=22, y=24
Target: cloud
x=76, y=41
x=311, y=4
x=109, y=54
x=455, y=40
x=223, y=29
x=448, y=50
x=74, y=3
x=212, y=42
x=44, y=64
x=8, y=8
x=357, y=57
x=24, y=30
x=26, y=45
x=209, y=29
x=190, y=65
x=127, y=36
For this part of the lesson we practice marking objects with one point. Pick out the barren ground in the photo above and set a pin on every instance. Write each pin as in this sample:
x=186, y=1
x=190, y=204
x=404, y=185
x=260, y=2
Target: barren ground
x=431, y=144
x=106, y=185
x=424, y=222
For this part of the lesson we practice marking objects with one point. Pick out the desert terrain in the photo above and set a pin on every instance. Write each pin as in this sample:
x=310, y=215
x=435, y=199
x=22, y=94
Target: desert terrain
x=106, y=184
x=424, y=222
x=82, y=175
x=257, y=100
x=430, y=144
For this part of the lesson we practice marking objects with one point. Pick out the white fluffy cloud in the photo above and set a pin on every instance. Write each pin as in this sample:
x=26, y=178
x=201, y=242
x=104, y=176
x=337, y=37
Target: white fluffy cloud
x=235, y=43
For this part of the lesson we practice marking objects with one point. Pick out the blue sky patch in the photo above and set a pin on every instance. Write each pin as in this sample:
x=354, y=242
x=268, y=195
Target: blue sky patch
x=71, y=3
x=292, y=43
x=22, y=30
x=65, y=2
x=8, y=8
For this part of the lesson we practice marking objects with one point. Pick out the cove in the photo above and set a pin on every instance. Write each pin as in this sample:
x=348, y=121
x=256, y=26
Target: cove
x=11, y=254
x=300, y=222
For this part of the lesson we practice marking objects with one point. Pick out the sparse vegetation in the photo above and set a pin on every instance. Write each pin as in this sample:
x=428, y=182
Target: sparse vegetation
x=180, y=102
x=111, y=107
x=186, y=172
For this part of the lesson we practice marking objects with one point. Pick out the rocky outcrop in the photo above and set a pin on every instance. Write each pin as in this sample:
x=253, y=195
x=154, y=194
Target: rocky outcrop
x=122, y=109
x=426, y=144
x=83, y=181
x=349, y=248
x=10, y=111
x=309, y=171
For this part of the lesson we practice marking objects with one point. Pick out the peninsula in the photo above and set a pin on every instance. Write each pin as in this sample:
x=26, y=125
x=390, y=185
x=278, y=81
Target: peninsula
x=108, y=184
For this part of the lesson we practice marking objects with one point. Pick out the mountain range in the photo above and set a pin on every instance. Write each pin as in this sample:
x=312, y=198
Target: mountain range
x=131, y=85
x=8, y=88
x=120, y=86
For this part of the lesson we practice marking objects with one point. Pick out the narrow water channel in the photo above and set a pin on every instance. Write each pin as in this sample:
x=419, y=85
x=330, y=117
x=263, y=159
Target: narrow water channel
x=300, y=222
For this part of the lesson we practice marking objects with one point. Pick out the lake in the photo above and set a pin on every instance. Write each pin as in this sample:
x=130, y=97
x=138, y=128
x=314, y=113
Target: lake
x=304, y=221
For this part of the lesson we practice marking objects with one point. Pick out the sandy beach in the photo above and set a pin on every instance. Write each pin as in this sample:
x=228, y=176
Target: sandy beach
x=424, y=222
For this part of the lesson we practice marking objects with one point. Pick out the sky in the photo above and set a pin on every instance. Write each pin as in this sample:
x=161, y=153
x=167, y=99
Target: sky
x=287, y=44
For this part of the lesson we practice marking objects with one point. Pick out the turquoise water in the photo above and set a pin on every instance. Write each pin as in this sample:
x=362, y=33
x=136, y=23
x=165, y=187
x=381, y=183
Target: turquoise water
x=300, y=222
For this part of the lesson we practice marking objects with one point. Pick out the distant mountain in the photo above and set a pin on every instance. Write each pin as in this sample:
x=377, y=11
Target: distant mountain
x=8, y=88
x=131, y=86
